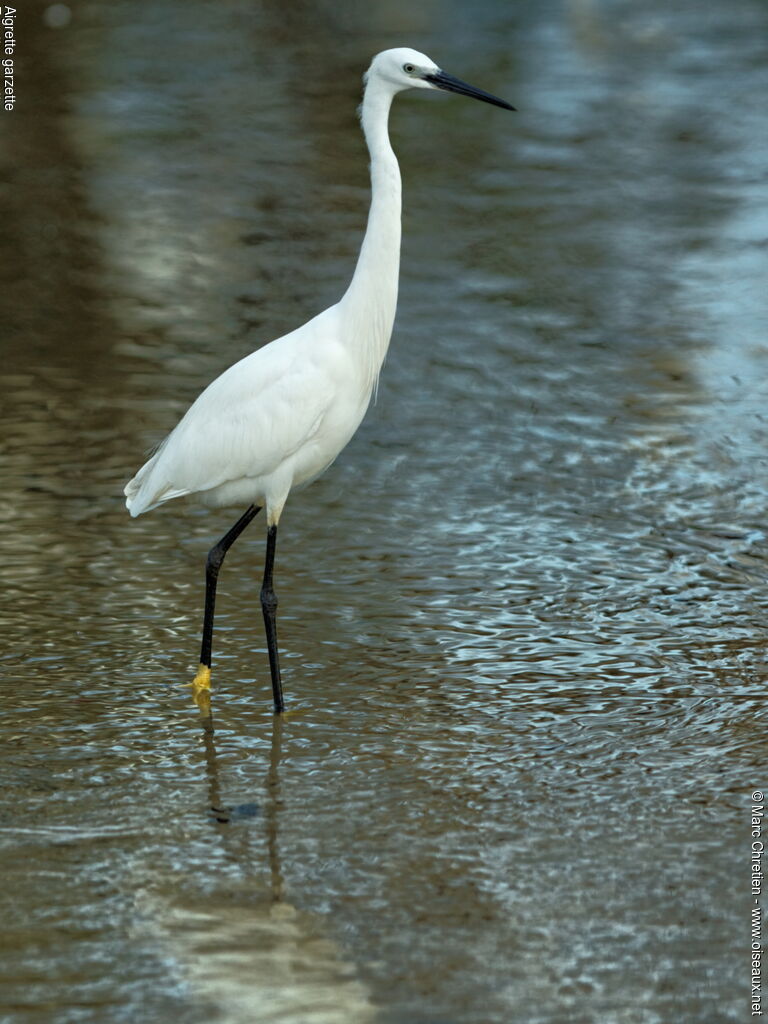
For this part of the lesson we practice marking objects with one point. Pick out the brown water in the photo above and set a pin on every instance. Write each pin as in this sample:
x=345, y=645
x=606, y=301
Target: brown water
x=523, y=618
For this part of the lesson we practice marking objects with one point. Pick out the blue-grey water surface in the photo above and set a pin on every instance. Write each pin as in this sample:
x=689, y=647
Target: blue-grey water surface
x=523, y=618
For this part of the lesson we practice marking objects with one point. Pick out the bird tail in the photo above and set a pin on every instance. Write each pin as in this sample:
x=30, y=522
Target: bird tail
x=146, y=491
x=137, y=499
x=151, y=486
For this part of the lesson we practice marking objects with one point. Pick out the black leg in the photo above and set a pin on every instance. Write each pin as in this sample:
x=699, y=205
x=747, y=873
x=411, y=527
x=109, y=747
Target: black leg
x=212, y=566
x=269, y=607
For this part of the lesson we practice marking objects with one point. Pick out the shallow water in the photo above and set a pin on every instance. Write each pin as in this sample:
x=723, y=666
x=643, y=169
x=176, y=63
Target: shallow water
x=522, y=618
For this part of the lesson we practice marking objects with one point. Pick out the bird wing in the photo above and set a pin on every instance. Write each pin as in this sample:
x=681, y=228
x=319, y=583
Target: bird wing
x=246, y=424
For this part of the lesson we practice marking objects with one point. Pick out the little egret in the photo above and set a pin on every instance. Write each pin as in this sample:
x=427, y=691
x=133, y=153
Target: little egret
x=278, y=418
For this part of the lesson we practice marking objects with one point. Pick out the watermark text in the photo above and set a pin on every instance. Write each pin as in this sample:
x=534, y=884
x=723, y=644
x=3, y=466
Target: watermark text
x=8, y=22
x=756, y=874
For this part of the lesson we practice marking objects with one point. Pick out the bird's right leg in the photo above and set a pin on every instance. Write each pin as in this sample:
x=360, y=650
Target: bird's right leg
x=269, y=608
x=202, y=680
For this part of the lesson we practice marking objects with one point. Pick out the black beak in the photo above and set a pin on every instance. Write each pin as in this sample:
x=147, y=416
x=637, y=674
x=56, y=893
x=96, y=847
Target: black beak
x=451, y=84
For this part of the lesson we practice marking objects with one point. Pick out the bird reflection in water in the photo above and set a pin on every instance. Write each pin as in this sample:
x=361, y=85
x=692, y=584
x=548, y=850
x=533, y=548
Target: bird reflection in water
x=222, y=813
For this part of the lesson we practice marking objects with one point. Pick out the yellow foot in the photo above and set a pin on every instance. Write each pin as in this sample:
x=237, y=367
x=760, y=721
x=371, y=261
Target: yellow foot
x=201, y=689
x=202, y=680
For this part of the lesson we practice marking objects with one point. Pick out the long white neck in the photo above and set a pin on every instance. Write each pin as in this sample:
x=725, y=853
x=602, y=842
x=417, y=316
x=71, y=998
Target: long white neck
x=370, y=301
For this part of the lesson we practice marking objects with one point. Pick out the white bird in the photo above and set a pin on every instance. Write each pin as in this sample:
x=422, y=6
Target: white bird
x=278, y=418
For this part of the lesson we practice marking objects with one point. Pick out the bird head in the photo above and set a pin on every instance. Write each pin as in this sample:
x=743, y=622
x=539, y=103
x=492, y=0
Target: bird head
x=404, y=68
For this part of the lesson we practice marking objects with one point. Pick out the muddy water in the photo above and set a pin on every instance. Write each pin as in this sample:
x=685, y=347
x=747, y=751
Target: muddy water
x=523, y=618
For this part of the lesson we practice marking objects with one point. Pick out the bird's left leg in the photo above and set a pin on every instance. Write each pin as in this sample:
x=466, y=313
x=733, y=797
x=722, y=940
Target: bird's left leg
x=269, y=608
x=202, y=680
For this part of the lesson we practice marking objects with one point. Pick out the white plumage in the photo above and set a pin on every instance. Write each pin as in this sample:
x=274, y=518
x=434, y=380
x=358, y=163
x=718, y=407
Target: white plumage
x=278, y=418
x=272, y=422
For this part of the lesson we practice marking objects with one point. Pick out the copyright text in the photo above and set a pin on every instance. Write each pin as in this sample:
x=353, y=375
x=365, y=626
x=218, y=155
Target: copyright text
x=756, y=874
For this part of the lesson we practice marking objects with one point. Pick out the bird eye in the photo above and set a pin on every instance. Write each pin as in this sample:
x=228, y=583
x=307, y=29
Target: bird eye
x=408, y=69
